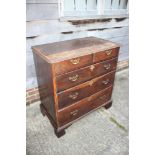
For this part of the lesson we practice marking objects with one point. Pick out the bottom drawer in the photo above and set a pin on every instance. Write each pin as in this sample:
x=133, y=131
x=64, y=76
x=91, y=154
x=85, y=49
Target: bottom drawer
x=82, y=107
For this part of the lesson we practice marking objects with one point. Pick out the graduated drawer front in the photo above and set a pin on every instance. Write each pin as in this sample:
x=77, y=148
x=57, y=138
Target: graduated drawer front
x=106, y=55
x=86, y=89
x=84, y=106
x=72, y=64
x=74, y=78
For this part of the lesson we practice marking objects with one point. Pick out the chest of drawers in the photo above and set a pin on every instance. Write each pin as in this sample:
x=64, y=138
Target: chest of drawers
x=75, y=77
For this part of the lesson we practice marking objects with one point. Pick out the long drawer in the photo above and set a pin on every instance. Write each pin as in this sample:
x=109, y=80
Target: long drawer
x=84, y=106
x=74, y=78
x=86, y=89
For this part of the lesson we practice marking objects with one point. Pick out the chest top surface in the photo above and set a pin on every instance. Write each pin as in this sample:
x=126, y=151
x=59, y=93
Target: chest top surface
x=59, y=51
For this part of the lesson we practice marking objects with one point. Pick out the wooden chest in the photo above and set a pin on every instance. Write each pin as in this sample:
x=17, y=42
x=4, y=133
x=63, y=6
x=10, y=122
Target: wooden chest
x=75, y=77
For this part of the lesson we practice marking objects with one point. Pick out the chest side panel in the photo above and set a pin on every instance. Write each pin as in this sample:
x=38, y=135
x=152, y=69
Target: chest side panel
x=45, y=84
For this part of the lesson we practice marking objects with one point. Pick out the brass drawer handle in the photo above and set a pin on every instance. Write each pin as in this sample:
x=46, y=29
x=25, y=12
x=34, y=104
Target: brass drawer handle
x=75, y=61
x=103, y=97
x=73, y=78
x=107, y=66
x=74, y=96
x=108, y=52
x=92, y=67
x=89, y=99
x=106, y=81
x=91, y=83
x=74, y=112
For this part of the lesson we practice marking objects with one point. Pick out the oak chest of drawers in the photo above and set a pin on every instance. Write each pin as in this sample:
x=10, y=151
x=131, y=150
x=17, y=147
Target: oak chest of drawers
x=75, y=77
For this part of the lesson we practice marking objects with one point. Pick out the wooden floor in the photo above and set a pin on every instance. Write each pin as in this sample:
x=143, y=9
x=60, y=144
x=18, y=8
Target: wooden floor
x=103, y=132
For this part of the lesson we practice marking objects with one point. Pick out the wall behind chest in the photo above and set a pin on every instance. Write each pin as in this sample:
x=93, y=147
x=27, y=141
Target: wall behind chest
x=44, y=26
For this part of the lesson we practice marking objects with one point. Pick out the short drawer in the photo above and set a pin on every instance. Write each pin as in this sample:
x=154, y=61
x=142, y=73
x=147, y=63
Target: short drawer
x=72, y=64
x=86, y=89
x=84, y=106
x=105, y=55
x=74, y=78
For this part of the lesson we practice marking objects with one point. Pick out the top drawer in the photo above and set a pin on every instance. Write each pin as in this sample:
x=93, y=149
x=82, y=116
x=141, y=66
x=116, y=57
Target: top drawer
x=72, y=64
x=105, y=55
